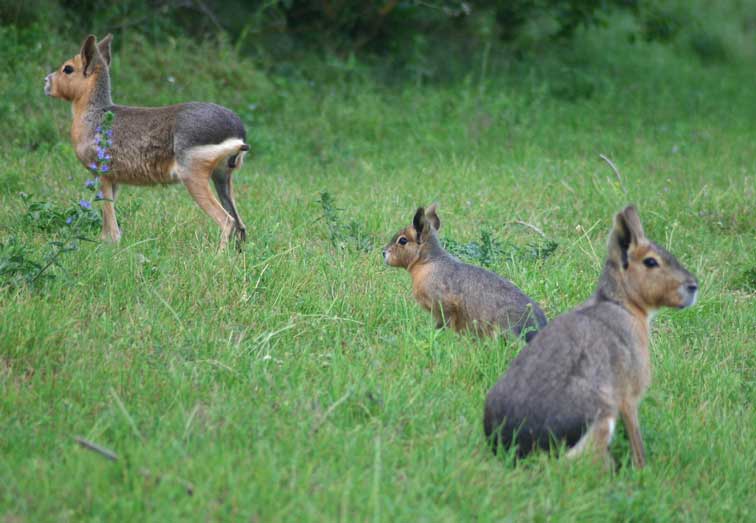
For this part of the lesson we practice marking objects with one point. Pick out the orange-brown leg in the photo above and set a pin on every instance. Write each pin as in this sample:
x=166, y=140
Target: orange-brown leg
x=110, y=230
x=197, y=183
x=632, y=425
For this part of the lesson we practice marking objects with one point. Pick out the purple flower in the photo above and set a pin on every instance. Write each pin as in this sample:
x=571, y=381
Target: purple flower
x=90, y=184
x=97, y=139
x=98, y=129
x=104, y=169
x=100, y=153
x=93, y=166
x=69, y=220
x=109, y=133
x=107, y=157
x=85, y=204
x=99, y=196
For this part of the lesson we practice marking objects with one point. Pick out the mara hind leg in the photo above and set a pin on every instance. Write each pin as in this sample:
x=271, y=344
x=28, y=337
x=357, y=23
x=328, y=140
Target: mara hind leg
x=195, y=168
x=197, y=182
x=222, y=180
x=596, y=440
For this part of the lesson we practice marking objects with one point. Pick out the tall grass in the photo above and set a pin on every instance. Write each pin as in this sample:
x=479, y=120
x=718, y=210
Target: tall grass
x=298, y=380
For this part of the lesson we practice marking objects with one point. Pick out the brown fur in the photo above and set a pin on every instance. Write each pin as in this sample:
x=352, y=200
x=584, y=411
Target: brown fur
x=592, y=365
x=190, y=143
x=462, y=296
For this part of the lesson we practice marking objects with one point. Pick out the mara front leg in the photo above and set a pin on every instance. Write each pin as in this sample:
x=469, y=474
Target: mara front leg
x=110, y=230
x=632, y=426
x=447, y=316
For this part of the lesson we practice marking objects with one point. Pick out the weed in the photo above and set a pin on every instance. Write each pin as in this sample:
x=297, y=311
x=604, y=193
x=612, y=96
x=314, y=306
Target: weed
x=47, y=216
x=18, y=266
x=342, y=234
x=490, y=252
x=746, y=280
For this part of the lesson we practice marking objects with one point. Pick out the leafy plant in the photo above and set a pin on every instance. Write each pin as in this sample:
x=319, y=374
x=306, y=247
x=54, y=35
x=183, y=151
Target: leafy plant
x=18, y=266
x=342, y=234
x=490, y=252
x=746, y=280
x=47, y=216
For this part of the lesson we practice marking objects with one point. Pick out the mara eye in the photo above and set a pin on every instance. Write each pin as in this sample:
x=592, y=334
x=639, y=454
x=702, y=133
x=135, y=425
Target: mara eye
x=402, y=241
x=650, y=263
x=68, y=69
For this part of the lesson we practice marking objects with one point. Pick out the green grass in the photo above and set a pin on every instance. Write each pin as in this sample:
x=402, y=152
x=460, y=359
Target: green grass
x=298, y=380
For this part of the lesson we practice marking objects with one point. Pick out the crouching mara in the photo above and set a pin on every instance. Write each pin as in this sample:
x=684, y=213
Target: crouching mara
x=190, y=143
x=591, y=366
x=465, y=297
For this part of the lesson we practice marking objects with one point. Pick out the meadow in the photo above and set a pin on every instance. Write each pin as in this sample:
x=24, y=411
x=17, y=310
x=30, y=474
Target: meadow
x=298, y=380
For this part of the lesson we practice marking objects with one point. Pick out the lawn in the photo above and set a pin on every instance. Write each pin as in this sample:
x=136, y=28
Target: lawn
x=298, y=380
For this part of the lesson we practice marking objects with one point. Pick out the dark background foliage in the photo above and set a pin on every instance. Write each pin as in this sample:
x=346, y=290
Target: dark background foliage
x=371, y=27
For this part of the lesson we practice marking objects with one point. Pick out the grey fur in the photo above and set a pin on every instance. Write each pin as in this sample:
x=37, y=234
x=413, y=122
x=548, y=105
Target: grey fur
x=485, y=297
x=200, y=123
x=591, y=365
x=552, y=390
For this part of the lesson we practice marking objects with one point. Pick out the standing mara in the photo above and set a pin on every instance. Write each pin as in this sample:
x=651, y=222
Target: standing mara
x=190, y=143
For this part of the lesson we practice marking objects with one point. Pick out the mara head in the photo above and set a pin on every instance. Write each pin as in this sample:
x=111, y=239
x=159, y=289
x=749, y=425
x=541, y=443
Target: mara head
x=75, y=78
x=648, y=274
x=408, y=245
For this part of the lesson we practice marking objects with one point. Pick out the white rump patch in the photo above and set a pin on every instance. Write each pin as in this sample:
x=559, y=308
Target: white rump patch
x=215, y=153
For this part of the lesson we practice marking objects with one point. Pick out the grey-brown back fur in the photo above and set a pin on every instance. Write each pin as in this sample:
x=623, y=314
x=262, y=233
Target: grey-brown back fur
x=147, y=140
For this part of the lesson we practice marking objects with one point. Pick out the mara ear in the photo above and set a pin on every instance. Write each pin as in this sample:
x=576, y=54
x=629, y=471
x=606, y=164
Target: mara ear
x=420, y=223
x=432, y=216
x=627, y=232
x=89, y=54
x=634, y=225
x=104, y=47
